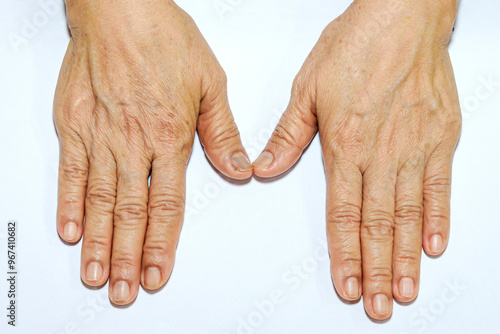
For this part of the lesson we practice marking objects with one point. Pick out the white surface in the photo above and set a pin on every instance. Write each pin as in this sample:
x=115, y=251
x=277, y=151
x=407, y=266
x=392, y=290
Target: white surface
x=239, y=243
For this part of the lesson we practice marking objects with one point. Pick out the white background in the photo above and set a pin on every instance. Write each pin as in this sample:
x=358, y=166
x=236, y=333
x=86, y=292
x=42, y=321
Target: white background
x=239, y=242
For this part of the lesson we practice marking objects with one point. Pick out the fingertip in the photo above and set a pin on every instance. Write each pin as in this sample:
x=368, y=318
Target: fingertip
x=241, y=162
x=240, y=167
x=70, y=231
x=435, y=245
x=262, y=163
x=151, y=278
x=234, y=164
x=155, y=274
x=381, y=307
x=406, y=289
x=352, y=289
x=121, y=294
x=268, y=164
x=93, y=274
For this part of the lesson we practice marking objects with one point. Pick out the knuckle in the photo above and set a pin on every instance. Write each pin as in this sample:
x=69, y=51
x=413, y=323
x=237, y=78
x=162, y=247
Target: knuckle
x=101, y=194
x=347, y=143
x=125, y=263
x=451, y=124
x=173, y=134
x=227, y=137
x=155, y=247
x=75, y=172
x=350, y=259
x=380, y=274
x=166, y=205
x=407, y=256
x=301, y=81
x=345, y=217
x=173, y=127
x=408, y=212
x=437, y=215
x=97, y=242
x=377, y=224
x=156, y=251
x=221, y=77
x=70, y=203
x=282, y=136
x=437, y=186
x=129, y=211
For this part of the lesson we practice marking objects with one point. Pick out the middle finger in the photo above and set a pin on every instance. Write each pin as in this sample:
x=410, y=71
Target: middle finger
x=130, y=220
x=377, y=228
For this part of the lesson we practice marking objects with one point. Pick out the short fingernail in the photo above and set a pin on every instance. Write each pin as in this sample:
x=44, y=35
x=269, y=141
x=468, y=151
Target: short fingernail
x=94, y=272
x=121, y=291
x=406, y=287
x=70, y=231
x=381, y=304
x=351, y=287
x=152, y=278
x=264, y=160
x=241, y=162
x=436, y=243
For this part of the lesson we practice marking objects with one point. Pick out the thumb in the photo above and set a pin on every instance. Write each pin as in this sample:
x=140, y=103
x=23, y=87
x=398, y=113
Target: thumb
x=294, y=132
x=218, y=132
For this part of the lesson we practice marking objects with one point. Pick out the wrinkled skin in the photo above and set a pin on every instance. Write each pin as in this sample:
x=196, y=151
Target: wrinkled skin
x=136, y=83
x=386, y=107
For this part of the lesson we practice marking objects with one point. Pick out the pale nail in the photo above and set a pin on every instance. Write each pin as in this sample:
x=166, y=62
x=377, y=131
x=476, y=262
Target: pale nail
x=381, y=304
x=152, y=278
x=94, y=272
x=264, y=160
x=406, y=287
x=436, y=243
x=121, y=291
x=70, y=231
x=241, y=162
x=351, y=287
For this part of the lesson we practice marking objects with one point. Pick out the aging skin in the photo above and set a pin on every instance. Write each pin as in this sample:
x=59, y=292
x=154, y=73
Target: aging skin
x=380, y=89
x=137, y=81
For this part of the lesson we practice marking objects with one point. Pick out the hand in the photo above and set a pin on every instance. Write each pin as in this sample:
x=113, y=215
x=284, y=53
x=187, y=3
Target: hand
x=379, y=86
x=137, y=81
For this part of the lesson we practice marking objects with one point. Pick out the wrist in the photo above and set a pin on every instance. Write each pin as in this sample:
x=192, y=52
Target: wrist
x=88, y=15
x=417, y=15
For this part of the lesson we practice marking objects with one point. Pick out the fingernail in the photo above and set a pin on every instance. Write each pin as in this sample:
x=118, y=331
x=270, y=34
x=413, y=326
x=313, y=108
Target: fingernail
x=351, y=287
x=381, y=304
x=70, y=231
x=406, y=287
x=121, y=291
x=264, y=160
x=241, y=162
x=94, y=272
x=152, y=278
x=436, y=243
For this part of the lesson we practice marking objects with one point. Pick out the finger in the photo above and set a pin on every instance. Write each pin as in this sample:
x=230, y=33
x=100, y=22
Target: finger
x=166, y=212
x=377, y=226
x=219, y=134
x=99, y=211
x=130, y=220
x=291, y=136
x=73, y=173
x=437, y=193
x=344, y=200
x=408, y=231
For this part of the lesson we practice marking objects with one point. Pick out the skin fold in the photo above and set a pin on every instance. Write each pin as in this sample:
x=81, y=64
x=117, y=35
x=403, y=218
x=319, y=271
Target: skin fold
x=137, y=81
x=379, y=88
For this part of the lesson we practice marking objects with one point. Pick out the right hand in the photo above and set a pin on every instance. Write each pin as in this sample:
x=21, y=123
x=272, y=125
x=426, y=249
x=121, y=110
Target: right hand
x=137, y=80
x=388, y=116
